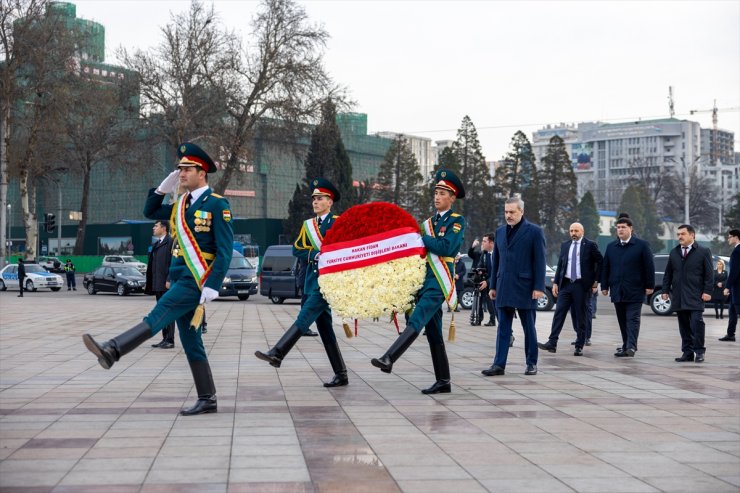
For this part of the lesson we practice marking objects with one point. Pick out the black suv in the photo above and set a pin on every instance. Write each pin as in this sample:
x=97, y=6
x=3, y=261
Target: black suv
x=466, y=298
x=278, y=274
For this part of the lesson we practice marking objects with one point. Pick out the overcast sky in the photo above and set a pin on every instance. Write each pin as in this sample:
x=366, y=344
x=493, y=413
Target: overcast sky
x=420, y=66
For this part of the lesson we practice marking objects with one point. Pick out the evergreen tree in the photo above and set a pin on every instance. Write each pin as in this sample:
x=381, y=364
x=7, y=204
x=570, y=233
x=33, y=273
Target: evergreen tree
x=400, y=181
x=478, y=205
x=588, y=216
x=327, y=158
x=635, y=202
x=732, y=218
x=518, y=175
x=559, y=209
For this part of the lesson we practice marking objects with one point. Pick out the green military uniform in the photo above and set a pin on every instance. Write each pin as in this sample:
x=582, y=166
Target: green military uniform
x=315, y=308
x=448, y=229
x=206, y=228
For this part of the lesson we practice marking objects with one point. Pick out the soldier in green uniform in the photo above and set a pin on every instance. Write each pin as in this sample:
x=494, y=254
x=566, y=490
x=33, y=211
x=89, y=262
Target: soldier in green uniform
x=202, y=249
x=442, y=235
x=315, y=308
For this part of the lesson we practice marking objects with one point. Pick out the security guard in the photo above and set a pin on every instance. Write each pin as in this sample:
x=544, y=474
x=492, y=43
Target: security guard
x=69, y=271
x=315, y=309
x=202, y=246
x=442, y=235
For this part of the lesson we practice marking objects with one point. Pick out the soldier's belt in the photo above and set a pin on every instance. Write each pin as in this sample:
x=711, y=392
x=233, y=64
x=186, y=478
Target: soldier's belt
x=208, y=256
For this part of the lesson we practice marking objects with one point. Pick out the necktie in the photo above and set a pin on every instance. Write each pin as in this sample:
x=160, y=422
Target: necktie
x=318, y=221
x=187, y=201
x=685, y=251
x=437, y=218
x=573, y=261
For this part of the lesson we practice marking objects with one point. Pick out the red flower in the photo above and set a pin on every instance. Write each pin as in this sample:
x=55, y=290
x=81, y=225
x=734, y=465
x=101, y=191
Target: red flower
x=368, y=219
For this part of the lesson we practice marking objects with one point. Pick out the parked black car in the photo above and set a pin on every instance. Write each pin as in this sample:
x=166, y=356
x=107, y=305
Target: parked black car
x=466, y=299
x=658, y=305
x=241, y=278
x=120, y=280
x=278, y=274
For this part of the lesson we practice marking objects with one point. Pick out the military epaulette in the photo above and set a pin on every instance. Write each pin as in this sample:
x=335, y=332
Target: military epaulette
x=334, y=216
x=454, y=214
x=216, y=195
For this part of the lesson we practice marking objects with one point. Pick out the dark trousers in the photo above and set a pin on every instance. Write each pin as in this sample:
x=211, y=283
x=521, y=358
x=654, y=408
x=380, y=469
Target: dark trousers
x=719, y=308
x=485, y=301
x=503, y=336
x=316, y=309
x=71, y=281
x=732, y=319
x=691, y=328
x=168, y=332
x=571, y=297
x=590, y=313
x=628, y=316
x=21, y=282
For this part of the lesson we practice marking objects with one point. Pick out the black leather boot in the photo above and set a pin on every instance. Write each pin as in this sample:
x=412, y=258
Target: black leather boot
x=441, y=370
x=111, y=351
x=399, y=346
x=203, y=379
x=275, y=355
x=337, y=364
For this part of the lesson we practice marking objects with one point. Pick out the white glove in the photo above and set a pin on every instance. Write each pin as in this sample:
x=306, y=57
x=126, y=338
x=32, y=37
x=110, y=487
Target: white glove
x=170, y=184
x=207, y=295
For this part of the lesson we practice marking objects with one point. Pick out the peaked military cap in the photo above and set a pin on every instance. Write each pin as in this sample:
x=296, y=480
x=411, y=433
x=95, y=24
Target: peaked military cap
x=447, y=180
x=321, y=186
x=190, y=154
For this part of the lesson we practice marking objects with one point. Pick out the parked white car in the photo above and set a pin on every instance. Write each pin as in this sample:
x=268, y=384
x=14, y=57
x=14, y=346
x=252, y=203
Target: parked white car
x=124, y=260
x=36, y=277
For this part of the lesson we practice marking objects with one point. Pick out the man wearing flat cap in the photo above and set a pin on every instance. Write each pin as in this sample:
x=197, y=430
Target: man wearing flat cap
x=307, y=247
x=202, y=247
x=442, y=235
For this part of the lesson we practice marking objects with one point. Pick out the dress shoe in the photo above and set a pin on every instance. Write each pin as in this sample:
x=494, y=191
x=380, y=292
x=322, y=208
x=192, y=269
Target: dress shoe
x=202, y=406
x=547, y=347
x=311, y=333
x=573, y=343
x=511, y=342
x=727, y=338
x=439, y=387
x=588, y=342
x=493, y=371
x=630, y=352
x=620, y=352
x=578, y=352
x=685, y=357
x=490, y=323
x=159, y=344
x=339, y=380
x=699, y=358
x=531, y=370
x=167, y=345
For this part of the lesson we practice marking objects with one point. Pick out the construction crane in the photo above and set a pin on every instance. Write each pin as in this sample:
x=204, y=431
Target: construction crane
x=714, y=143
x=670, y=101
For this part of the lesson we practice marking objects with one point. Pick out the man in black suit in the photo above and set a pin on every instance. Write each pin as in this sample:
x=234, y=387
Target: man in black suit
x=577, y=275
x=628, y=273
x=484, y=259
x=21, y=276
x=688, y=279
x=157, y=275
x=732, y=288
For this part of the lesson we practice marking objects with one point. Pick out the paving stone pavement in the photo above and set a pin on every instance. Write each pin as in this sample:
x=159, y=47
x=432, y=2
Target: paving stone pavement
x=589, y=424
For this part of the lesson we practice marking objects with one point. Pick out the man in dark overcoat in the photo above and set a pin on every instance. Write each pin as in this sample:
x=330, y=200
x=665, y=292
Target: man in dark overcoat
x=628, y=273
x=732, y=288
x=688, y=279
x=157, y=275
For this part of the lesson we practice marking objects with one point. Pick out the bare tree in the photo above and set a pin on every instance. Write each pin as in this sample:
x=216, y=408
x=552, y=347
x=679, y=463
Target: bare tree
x=38, y=48
x=703, y=194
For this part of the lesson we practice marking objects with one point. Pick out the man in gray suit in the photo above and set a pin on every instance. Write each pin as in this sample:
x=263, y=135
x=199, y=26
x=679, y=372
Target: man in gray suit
x=157, y=275
x=517, y=281
x=688, y=278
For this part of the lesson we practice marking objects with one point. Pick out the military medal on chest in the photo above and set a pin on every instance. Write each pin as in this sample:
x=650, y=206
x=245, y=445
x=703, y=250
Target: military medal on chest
x=202, y=221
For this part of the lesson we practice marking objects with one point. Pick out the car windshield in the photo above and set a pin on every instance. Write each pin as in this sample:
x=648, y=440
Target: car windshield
x=34, y=268
x=126, y=271
x=240, y=263
x=130, y=259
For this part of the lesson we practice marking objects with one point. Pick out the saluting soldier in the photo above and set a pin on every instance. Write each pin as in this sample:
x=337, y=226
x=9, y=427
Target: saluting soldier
x=202, y=246
x=315, y=309
x=442, y=237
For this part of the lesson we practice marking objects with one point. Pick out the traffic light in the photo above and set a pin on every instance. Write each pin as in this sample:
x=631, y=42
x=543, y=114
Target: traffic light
x=50, y=222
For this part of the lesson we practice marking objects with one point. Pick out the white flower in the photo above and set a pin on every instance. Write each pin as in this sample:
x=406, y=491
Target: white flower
x=376, y=290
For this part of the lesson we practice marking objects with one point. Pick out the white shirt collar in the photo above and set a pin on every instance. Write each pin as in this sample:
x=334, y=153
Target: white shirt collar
x=627, y=240
x=442, y=213
x=324, y=216
x=195, y=194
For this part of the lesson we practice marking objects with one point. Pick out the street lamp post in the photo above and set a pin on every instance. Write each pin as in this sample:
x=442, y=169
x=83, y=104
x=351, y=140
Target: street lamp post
x=7, y=238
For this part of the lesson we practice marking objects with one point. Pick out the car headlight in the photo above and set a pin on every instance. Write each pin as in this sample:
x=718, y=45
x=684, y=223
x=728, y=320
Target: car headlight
x=227, y=279
x=131, y=283
x=254, y=279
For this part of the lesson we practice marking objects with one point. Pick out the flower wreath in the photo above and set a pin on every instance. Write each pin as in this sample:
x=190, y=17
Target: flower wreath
x=372, y=261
